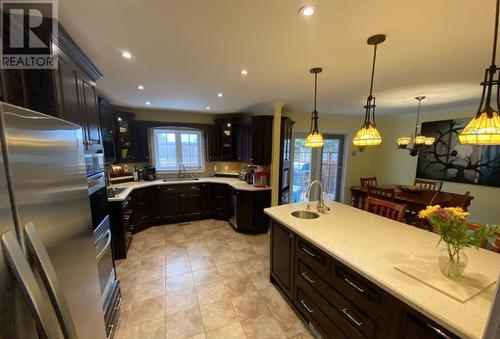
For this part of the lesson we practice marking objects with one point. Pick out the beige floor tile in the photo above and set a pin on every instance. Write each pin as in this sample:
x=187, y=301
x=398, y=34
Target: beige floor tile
x=184, y=324
x=272, y=297
x=180, y=301
x=199, y=336
x=231, y=331
x=287, y=319
x=260, y=279
x=206, y=277
x=150, y=273
x=217, y=315
x=211, y=293
x=152, y=252
x=255, y=265
x=238, y=244
x=147, y=309
x=156, y=260
x=250, y=305
x=238, y=286
x=150, y=289
x=203, y=264
x=232, y=270
x=177, y=268
x=224, y=257
x=244, y=254
x=262, y=327
x=176, y=254
x=303, y=335
x=178, y=282
x=154, y=329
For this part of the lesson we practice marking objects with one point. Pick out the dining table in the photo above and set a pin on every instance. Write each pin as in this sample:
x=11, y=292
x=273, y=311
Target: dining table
x=414, y=201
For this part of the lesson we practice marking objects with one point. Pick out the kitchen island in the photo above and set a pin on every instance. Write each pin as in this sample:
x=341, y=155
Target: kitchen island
x=338, y=272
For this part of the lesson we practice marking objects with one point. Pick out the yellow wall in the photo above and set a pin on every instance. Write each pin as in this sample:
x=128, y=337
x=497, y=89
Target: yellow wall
x=397, y=166
x=170, y=116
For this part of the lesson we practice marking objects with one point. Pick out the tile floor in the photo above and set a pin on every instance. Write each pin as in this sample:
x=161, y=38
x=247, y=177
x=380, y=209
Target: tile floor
x=201, y=280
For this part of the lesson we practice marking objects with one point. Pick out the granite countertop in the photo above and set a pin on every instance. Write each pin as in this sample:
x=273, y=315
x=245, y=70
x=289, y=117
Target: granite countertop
x=130, y=186
x=372, y=245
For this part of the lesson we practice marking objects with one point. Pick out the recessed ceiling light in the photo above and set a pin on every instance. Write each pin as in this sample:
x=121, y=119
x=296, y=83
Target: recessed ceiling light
x=148, y=103
x=244, y=72
x=219, y=95
x=307, y=10
x=141, y=87
x=208, y=107
x=127, y=55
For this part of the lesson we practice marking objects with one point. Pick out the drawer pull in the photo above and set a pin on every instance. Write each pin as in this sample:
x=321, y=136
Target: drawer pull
x=111, y=327
x=308, y=252
x=117, y=307
x=354, y=285
x=351, y=318
x=438, y=331
x=309, y=279
x=310, y=310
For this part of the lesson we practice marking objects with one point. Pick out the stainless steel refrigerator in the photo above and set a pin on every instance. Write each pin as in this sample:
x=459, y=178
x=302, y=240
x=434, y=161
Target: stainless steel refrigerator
x=49, y=285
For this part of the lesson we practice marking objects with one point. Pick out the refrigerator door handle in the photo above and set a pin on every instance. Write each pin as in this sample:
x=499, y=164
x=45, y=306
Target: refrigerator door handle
x=42, y=309
x=44, y=265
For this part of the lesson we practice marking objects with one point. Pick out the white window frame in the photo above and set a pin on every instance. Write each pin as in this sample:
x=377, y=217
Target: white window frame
x=178, y=130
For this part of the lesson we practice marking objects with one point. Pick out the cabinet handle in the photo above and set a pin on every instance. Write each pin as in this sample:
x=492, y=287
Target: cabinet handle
x=111, y=327
x=117, y=307
x=354, y=285
x=308, y=252
x=291, y=235
x=309, y=279
x=310, y=310
x=438, y=331
x=351, y=318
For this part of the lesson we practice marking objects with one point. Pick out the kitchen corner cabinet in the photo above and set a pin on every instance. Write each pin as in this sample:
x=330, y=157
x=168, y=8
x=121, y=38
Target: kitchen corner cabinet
x=336, y=301
x=180, y=203
x=121, y=227
x=67, y=92
x=108, y=128
x=248, y=210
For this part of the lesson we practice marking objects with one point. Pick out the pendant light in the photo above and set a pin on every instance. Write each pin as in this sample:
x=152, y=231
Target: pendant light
x=484, y=128
x=368, y=134
x=419, y=141
x=314, y=139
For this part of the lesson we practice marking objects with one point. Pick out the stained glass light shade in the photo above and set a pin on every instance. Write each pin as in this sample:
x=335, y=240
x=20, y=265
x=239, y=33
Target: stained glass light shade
x=420, y=140
x=314, y=139
x=429, y=141
x=367, y=136
x=482, y=130
x=403, y=142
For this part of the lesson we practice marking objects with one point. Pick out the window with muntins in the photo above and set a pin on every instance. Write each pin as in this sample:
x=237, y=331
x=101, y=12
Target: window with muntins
x=174, y=147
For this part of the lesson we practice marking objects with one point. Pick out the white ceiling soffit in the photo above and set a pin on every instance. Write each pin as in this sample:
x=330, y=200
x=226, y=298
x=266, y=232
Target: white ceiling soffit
x=185, y=52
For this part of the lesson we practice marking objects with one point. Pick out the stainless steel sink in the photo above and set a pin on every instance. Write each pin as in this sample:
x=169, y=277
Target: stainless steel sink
x=180, y=179
x=305, y=214
x=113, y=192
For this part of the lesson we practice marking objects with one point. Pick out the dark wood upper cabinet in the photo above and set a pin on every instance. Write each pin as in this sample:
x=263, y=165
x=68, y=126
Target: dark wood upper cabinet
x=108, y=129
x=262, y=140
x=67, y=92
x=139, y=140
x=226, y=139
x=212, y=143
x=244, y=140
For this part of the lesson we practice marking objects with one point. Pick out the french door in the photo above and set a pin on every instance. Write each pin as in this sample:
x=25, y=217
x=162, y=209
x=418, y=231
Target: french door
x=317, y=163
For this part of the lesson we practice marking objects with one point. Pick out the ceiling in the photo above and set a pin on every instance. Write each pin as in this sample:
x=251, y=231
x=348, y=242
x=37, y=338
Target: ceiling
x=187, y=51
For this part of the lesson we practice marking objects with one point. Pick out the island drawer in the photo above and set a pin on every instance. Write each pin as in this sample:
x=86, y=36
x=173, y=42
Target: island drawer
x=310, y=310
x=370, y=325
x=364, y=294
x=313, y=256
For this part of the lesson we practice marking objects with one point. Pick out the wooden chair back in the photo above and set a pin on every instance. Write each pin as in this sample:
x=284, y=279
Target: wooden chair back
x=429, y=185
x=495, y=247
x=459, y=200
x=385, y=208
x=381, y=193
x=368, y=181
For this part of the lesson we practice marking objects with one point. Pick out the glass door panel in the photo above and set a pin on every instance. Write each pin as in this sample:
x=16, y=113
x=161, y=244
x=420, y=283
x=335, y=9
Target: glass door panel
x=301, y=169
x=331, y=166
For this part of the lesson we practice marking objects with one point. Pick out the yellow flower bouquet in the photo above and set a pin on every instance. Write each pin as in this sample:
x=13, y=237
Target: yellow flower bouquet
x=451, y=224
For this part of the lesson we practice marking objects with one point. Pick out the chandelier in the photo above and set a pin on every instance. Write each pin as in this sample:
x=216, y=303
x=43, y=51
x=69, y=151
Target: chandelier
x=418, y=141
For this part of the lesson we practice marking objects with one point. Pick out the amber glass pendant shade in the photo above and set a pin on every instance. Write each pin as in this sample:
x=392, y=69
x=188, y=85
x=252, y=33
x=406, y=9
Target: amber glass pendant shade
x=314, y=139
x=403, y=142
x=482, y=130
x=367, y=136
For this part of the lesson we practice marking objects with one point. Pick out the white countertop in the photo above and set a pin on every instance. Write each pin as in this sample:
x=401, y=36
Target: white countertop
x=372, y=245
x=235, y=183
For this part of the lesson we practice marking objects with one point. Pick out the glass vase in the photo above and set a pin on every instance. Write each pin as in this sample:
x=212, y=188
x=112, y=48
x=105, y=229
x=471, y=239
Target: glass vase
x=452, y=262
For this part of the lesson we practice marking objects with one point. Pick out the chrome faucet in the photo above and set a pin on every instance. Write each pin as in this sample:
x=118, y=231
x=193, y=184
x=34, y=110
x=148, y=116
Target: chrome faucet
x=321, y=207
x=182, y=170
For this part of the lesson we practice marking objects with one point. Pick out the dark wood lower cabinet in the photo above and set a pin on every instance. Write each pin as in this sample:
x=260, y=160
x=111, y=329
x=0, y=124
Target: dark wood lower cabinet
x=336, y=301
x=121, y=227
x=247, y=210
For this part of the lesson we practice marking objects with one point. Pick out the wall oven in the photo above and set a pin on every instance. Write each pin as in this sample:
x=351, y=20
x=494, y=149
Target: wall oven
x=109, y=285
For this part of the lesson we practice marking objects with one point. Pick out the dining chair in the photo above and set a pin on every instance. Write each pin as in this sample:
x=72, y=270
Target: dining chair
x=494, y=247
x=381, y=193
x=429, y=185
x=459, y=200
x=368, y=181
x=385, y=208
